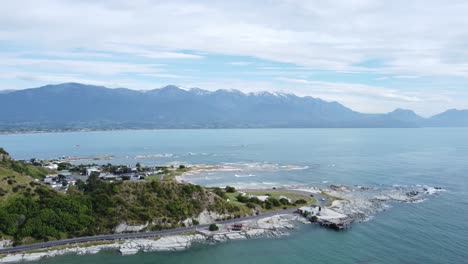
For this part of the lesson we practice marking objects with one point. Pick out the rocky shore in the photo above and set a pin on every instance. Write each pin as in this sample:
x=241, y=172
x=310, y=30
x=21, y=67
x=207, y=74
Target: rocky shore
x=354, y=203
x=274, y=226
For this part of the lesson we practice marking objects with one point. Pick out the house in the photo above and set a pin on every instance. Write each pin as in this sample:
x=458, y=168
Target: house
x=91, y=170
x=309, y=210
x=51, y=166
x=262, y=198
x=284, y=197
x=237, y=227
x=50, y=179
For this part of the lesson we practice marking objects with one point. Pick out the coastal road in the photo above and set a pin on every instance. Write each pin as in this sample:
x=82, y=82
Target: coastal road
x=137, y=235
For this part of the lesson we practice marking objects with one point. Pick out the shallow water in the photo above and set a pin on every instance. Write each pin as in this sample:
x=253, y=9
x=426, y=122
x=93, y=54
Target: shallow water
x=435, y=231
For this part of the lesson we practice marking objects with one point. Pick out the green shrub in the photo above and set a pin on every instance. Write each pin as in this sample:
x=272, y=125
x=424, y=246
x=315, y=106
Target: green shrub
x=213, y=227
x=301, y=201
x=230, y=189
x=250, y=205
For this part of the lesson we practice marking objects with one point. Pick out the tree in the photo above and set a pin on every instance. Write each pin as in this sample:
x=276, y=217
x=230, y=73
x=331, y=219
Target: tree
x=301, y=201
x=220, y=192
x=284, y=201
x=230, y=189
x=213, y=227
x=274, y=201
x=250, y=205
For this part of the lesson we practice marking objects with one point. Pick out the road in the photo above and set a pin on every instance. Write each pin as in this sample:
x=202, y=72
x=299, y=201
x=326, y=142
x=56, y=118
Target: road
x=136, y=235
x=169, y=232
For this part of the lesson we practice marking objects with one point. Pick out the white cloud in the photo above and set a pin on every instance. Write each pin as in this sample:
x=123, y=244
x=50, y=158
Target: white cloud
x=354, y=89
x=401, y=40
x=417, y=37
x=239, y=63
x=80, y=66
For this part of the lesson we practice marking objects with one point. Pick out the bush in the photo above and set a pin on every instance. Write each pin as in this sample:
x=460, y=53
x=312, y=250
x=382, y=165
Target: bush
x=255, y=200
x=314, y=219
x=213, y=227
x=250, y=205
x=195, y=222
x=301, y=201
x=230, y=189
x=274, y=201
x=242, y=199
x=284, y=201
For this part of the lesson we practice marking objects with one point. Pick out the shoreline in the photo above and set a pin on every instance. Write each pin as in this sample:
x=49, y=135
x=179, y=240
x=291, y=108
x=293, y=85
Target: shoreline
x=3, y=132
x=269, y=226
x=343, y=203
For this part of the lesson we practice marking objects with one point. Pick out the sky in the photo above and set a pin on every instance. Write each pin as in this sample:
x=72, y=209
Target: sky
x=370, y=55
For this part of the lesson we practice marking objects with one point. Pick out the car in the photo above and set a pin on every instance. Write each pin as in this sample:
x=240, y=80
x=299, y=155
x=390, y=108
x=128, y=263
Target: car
x=323, y=199
x=311, y=195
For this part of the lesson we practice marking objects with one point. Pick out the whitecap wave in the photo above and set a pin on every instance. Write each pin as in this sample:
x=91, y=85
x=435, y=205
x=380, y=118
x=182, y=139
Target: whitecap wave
x=244, y=175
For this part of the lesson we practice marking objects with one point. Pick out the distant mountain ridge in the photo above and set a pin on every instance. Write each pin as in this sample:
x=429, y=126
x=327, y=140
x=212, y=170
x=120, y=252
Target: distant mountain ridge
x=78, y=106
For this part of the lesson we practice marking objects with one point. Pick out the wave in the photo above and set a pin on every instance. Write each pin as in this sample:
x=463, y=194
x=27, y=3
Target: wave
x=244, y=176
x=155, y=156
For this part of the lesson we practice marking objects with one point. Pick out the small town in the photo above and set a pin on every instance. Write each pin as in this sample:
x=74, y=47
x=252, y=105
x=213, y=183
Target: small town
x=64, y=174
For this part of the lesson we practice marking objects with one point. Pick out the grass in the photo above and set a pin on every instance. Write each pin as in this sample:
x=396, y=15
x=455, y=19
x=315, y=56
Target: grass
x=11, y=181
x=291, y=195
x=233, y=200
x=154, y=177
x=168, y=173
x=275, y=194
x=330, y=198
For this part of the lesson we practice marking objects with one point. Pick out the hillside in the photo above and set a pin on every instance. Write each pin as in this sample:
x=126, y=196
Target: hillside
x=17, y=177
x=73, y=106
x=32, y=211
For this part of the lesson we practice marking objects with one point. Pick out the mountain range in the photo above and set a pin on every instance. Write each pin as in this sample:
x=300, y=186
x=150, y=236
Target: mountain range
x=72, y=106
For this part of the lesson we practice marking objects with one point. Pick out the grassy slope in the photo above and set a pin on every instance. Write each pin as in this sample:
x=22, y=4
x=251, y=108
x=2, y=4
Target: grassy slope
x=275, y=194
x=13, y=183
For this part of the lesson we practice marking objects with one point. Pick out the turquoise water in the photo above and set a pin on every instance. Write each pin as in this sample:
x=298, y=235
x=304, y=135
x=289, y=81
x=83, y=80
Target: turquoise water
x=435, y=231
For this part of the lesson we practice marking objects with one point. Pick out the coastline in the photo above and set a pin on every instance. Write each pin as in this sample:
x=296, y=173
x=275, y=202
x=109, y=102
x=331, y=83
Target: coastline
x=269, y=226
x=344, y=204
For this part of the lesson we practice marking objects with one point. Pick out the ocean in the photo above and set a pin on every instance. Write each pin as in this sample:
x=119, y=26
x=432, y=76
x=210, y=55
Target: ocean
x=434, y=231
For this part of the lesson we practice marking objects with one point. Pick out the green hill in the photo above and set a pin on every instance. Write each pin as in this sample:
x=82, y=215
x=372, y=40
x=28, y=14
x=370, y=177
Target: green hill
x=31, y=211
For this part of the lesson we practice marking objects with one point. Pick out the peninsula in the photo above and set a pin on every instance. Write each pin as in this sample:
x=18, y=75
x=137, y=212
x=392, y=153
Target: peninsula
x=55, y=207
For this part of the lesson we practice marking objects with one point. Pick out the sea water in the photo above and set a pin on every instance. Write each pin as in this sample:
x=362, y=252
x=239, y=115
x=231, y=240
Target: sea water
x=435, y=231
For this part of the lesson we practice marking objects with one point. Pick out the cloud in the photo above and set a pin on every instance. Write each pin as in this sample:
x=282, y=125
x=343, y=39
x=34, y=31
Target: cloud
x=80, y=66
x=354, y=89
x=417, y=37
x=239, y=63
x=422, y=41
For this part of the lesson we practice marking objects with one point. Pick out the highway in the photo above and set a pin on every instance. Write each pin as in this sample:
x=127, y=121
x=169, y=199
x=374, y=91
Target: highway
x=321, y=200
x=136, y=235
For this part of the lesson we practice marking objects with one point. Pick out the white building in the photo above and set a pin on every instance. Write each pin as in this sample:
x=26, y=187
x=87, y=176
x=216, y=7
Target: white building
x=262, y=198
x=51, y=166
x=284, y=197
x=91, y=170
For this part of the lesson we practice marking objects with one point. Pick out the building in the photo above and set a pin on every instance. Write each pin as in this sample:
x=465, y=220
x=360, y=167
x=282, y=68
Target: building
x=262, y=198
x=309, y=210
x=284, y=197
x=91, y=170
x=51, y=166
